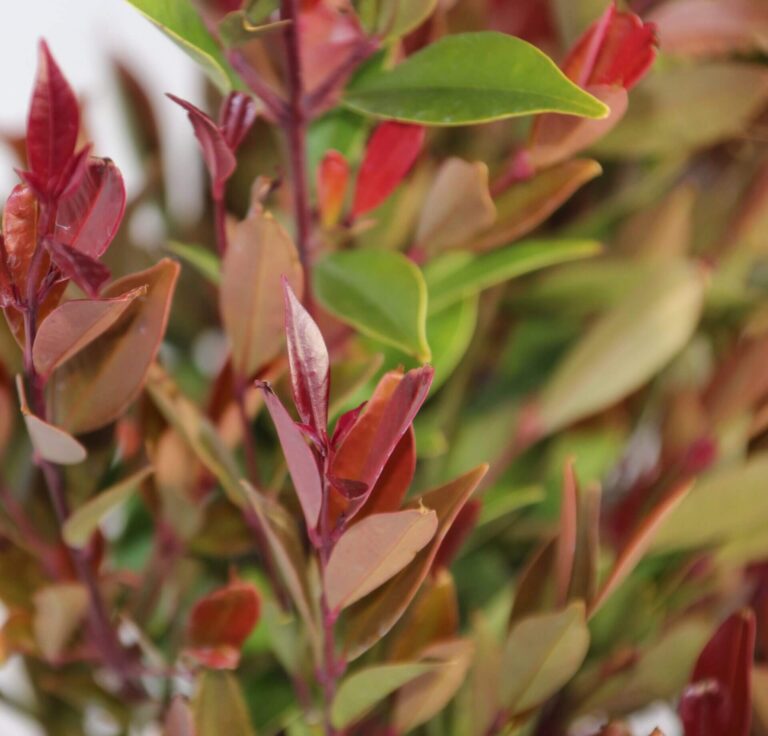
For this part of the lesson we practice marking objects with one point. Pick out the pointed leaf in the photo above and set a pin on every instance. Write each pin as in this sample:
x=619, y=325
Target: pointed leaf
x=371, y=618
x=250, y=300
x=53, y=123
x=362, y=690
x=236, y=117
x=219, y=706
x=301, y=461
x=179, y=20
x=50, y=442
x=200, y=258
x=471, y=78
x=81, y=525
x=332, y=182
x=457, y=207
x=88, y=273
x=74, y=325
x=389, y=156
x=381, y=293
x=95, y=386
x=541, y=654
x=88, y=219
x=309, y=363
x=220, y=623
x=374, y=550
x=395, y=479
x=20, y=233
x=217, y=153
x=566, y=538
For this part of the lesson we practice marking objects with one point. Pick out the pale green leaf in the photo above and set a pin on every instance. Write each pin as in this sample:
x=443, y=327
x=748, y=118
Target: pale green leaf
x=203, y=260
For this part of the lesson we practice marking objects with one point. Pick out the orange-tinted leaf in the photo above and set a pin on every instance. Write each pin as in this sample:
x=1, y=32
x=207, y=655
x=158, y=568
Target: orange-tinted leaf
x=391, y=151
x=395, y=479
x=373, y=551
x=220, y=623
x=88, y=273
x=458, y=534
x=20, y=233
x=332, y=182
x=74, y=325
x=250, y=298
x=566, y=538
x=95, y=386
x=718, y=700
x=371, y=618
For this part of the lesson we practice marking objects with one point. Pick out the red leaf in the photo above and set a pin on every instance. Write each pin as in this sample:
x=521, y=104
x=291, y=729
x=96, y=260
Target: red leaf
x=88, y=273
x=300, y=459
x=308, y=358
x=237, y=115
x=53, y=124
x=372, y=440
x=89, y=218
x=6, y=287
x=395, y=479
x=216, y=151
x=332, y=181
x=20, y=232
x=220, y=623
x=616, y=49
x=391, y=152
x=458, y=534
x=718, y=700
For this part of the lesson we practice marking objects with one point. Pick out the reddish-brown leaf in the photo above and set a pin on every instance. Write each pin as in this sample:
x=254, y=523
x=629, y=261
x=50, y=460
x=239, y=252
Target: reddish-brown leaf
x=88, y=273
x=390, y=153
x=53, y=124
x=220, y=623
x=300, y=459
x=20, y=233
x=332, y=182
x=718, y=700
x=88, y=219
x=217, y=153
x=237, y=115
x=457, y=535
x=309, y=363
x=566, y=539
x=395, y=479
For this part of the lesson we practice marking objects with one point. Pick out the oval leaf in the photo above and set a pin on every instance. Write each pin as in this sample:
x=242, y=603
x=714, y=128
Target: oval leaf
x=381, y=293
x=219, y=706
x=471, y=78
x=59, y=610
x=374, y=550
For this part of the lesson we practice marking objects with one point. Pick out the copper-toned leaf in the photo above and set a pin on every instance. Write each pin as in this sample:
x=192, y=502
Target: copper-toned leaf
x=371, y=618
x=390, y=153
x=95, y=386
x=420, y=700
x=458, y=534
x=373, y=551
x=88, y=273
x=567, y=533
x=20, y=233
x=395, y=479
x=50, y=442
x=74, y=325
x=219, y=706
x=458, y=206
x=332, y=182
x=309, y=363
x=88, y=219
x=250, y=298
x=53, y=123
x=541, y=654
x=237, y=115
x=527, y=204
x=301, y=461
x=718, y=700
x=217, y=153
x=220, y=623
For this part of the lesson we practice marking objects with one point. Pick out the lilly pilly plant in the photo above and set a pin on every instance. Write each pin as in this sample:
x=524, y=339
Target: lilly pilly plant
x=457, y=425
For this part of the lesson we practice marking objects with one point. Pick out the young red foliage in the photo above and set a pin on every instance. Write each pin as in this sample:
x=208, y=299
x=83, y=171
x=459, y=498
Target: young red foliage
x=20, y=233
x=220, y=623
x=395, y=479
x=718, y=699
x=309, y=363
x=52, y=128
x=457, y=535
x=389, y=156
x=617, y=49
x=88, y=273
x=236, y=117
x=332, y=182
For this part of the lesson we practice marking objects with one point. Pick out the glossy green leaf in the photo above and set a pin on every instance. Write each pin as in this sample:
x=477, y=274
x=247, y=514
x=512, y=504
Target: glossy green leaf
x=381, y=293
x=456, y=276
x=203, y=260
x=179, y=20
x=84, y=521
x=471, y=78
x=541, y=654
x=362, y=690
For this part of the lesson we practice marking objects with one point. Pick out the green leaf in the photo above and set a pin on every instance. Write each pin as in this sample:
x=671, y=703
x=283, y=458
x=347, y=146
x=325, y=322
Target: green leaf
x=361, y=690
x=381, y=293
x=450, y=332
x=83, y=522
x=179, y=20
x=541, y=654
x=201, y=259
x=459, y=275
x=398, y=17
x=471, y=78
x=219, y=706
